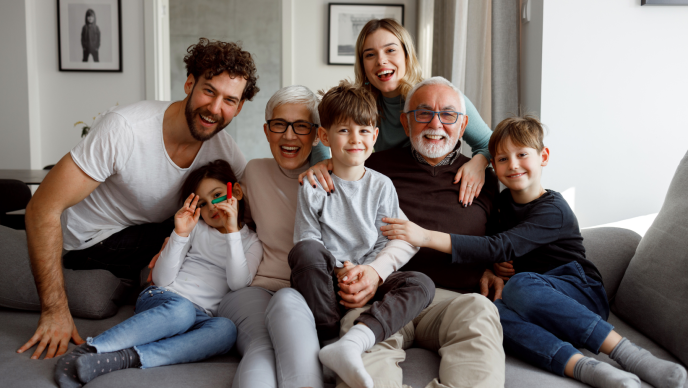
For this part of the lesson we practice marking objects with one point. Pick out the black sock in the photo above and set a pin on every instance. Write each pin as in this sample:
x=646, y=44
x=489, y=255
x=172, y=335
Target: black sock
x=65, y=368
x=90, y=366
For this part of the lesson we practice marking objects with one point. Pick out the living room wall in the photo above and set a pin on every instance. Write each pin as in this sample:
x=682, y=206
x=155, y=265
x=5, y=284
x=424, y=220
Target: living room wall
x=609, y=80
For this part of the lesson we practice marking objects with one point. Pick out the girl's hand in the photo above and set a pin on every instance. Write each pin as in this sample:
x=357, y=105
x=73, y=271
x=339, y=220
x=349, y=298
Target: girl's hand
x=322, y=172
x=472, y=177
x=229, y=214
x=504, y=270
x=405, y=230
x=187, y=217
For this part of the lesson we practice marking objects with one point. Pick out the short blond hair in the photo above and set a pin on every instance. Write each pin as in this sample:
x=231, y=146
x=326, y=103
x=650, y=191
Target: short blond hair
x=413, y=71
x=347, y=101
x=525, y=131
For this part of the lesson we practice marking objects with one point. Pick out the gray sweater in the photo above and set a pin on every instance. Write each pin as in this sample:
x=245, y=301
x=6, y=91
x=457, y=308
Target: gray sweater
x=348, y=221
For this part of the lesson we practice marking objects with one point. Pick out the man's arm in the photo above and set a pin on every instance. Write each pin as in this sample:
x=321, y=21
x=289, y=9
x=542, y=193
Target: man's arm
x=65, y=186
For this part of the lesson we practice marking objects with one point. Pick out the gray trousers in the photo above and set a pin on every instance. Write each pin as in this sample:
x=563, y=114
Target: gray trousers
x=276, y=339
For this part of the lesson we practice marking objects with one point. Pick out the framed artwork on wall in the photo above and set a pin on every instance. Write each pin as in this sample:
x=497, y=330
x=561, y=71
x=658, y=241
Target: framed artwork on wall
x=345, y=22
x=89, y=35
x=663, y=2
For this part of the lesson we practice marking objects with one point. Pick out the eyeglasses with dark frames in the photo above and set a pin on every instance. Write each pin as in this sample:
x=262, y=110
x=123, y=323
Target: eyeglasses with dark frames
x=425, y=116
x=300, y=127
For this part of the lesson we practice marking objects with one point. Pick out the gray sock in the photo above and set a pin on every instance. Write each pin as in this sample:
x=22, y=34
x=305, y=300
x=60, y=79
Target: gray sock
x=602, y=375
x=65, y=368
x=90, y=366
x=659, y=373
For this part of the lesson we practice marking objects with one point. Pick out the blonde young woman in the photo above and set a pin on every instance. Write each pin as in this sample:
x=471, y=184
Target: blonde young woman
x=386, y=63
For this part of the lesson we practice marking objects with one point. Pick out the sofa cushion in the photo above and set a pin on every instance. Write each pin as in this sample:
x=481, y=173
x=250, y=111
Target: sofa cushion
x=653, y=293
x=91, y=294
x=610, y=249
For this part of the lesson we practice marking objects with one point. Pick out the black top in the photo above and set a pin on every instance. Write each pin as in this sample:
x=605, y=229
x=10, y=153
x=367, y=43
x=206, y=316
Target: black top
x=538, y=236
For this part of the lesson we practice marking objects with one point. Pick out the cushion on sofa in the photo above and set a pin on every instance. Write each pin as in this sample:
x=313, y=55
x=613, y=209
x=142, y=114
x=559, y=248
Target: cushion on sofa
x=610, y=249
x=91, y=294
x=653, y=293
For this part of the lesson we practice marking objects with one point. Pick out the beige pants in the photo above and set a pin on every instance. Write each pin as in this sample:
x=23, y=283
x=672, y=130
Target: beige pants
x=463, y=328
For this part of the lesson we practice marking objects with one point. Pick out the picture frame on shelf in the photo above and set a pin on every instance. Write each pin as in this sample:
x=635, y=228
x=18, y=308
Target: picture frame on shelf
x=89, y=35
x=345, y=21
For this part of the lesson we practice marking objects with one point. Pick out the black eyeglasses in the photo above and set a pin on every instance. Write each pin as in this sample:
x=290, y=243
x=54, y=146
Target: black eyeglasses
x=426, y=116
x=300, y=127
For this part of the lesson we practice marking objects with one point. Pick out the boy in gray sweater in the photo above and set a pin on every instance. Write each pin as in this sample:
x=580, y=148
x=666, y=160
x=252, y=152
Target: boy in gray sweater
x=338, y=242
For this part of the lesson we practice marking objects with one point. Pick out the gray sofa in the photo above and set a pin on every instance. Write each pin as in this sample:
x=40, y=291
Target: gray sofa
x=611, y=249
x=644, y=279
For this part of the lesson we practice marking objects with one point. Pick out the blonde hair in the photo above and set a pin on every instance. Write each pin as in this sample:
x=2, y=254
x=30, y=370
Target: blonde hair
x=413, y=71
x=526, y=131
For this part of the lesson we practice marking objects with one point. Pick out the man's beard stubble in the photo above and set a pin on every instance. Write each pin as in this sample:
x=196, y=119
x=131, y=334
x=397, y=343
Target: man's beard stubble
x=195, y=132
x=433, y=151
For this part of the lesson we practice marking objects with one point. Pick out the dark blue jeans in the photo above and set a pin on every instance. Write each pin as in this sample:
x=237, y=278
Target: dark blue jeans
x=546, y=317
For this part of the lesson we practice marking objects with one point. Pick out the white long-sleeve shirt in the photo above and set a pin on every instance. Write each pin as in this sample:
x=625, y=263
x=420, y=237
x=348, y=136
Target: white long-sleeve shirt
x=207, y=264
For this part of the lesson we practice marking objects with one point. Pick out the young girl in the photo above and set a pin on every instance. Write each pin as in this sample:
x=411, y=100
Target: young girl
x=174, y=319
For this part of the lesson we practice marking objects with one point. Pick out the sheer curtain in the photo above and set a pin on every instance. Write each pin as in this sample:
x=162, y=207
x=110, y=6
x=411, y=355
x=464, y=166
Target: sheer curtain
x=476, y=46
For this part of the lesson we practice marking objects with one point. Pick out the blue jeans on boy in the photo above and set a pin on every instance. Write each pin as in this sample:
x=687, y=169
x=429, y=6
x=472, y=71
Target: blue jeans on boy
x=168, y=329
x=546, y=317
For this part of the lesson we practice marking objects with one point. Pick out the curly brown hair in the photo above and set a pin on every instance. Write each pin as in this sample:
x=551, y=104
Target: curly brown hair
x=210, y=58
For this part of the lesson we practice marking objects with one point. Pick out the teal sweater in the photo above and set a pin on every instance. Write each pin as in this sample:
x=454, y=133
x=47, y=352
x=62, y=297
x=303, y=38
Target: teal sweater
x=392, y=134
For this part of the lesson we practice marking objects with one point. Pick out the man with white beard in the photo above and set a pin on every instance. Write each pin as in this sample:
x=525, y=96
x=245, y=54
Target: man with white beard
x=460, y=324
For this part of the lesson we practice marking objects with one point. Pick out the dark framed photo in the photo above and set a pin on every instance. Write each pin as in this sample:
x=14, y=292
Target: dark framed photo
x=345, y=22
x=663, y=2
x=89, y=35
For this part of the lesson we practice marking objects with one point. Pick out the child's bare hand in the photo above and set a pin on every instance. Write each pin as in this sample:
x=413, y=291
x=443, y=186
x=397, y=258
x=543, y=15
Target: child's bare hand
x=229, y=214
x=399, y=229
x=342, y=272
x=187, y=217
x=504, y=270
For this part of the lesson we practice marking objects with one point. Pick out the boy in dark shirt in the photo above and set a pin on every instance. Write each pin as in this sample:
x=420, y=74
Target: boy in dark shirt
x=555, y=302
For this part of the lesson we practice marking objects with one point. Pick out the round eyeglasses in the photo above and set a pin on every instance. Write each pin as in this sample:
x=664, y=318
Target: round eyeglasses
x=445, y=116
x=300, y=127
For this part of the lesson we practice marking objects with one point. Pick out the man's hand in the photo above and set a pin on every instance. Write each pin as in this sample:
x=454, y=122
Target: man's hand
x=504, y=270
x=154, y=260
x=321, y=171
x=55, y=329
x=472, y=177
x=357, y=285
x=490, y=281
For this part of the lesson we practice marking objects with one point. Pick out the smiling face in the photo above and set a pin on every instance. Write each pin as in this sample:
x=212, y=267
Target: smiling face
x=384, y=61
x=519, y=168
x=351, y=144
x=210, y=189
x=211, y=104
x=434, y=140
x=290, y=150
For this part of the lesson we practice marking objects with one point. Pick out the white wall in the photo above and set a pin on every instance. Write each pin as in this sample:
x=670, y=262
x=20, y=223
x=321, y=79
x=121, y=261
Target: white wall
x=14, y=100
x=309, y=42
x=68, y=97
x=613, y=94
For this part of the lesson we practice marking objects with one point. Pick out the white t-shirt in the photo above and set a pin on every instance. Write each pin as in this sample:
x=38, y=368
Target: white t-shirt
x=140, y=184
x=207, y=264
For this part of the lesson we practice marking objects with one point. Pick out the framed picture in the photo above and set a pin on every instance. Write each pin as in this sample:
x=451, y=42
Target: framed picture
x=89, y=35
x=663, y=2
x=345, y=22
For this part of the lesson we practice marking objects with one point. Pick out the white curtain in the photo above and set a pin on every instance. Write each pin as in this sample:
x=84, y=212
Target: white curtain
x=476, y=47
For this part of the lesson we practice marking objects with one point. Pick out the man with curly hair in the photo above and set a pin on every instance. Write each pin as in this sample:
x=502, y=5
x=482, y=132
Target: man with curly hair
x=106, y=202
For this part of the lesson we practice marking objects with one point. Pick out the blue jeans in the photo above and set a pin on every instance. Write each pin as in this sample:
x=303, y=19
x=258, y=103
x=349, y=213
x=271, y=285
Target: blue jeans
x=546, y=317
x=168, y=329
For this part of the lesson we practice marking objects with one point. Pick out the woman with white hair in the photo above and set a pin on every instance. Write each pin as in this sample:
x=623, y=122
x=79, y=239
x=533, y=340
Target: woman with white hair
x=276, y=330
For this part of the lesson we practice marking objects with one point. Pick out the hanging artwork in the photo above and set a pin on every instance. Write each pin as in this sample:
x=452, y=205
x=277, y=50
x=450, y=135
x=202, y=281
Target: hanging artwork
x=89, y=35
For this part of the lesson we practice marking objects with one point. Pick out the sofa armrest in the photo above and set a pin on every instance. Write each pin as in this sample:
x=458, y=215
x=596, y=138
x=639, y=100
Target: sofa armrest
x=610, y=249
